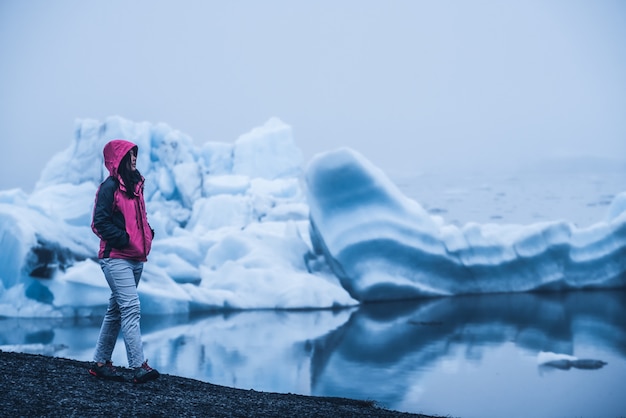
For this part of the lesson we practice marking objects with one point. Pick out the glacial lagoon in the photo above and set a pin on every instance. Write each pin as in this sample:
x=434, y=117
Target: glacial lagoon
x=466, y=356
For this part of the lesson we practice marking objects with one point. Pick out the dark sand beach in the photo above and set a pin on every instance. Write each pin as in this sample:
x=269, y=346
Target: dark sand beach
x=41, y=386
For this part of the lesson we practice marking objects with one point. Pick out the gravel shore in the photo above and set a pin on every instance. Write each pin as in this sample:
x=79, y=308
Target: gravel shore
x=41, y=386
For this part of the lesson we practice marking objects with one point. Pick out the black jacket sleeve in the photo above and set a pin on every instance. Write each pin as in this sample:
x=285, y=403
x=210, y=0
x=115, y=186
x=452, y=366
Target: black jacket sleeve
x=109, y=224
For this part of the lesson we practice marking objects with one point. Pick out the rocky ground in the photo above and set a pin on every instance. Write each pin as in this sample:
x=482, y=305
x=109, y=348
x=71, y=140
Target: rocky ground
x=35, y=385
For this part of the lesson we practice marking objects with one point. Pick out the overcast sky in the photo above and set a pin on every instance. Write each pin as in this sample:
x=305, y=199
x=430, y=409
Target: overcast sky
x=410, y=84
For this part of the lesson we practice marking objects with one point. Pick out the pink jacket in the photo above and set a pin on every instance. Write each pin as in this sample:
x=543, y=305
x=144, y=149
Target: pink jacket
x=118, y=220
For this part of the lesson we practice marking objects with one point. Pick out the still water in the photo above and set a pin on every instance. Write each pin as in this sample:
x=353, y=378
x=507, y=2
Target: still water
x=469, y=356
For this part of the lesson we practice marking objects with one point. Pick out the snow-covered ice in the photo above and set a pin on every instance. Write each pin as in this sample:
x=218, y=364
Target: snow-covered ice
x=243, y=226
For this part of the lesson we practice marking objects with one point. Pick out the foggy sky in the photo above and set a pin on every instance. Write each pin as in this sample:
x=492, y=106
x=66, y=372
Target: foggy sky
x=410, y=84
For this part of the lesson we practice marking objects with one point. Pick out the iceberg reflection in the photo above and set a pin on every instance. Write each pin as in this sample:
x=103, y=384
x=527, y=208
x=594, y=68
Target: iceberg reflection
x=386, y=352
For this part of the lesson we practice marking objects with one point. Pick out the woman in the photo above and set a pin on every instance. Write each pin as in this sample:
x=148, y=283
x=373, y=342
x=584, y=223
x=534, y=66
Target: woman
x=119, y=219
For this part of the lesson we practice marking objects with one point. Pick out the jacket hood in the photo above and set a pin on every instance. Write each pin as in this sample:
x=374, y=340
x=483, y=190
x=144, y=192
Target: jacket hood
x=114, y=151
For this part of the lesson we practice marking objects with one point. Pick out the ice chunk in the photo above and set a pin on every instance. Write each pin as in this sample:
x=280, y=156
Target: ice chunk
x=384, y=246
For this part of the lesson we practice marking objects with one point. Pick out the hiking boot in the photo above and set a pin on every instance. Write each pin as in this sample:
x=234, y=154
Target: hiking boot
x=106, y=371
x=145, y=373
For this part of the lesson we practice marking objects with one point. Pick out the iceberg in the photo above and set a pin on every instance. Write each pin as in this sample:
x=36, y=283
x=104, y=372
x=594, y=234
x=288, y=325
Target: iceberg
x=246, y=225
x=231, y=225
x=384, y=246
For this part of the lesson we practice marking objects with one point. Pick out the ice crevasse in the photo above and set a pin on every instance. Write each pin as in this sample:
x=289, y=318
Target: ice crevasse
x=382, y=245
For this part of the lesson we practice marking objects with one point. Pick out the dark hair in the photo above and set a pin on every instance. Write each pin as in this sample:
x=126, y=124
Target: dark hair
x=130, y=177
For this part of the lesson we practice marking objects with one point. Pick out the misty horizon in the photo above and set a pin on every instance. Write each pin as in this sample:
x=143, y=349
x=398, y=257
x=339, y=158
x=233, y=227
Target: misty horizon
x=414, y=86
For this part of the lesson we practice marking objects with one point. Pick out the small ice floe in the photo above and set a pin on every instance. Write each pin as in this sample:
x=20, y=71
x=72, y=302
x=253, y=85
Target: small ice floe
x=566, y=362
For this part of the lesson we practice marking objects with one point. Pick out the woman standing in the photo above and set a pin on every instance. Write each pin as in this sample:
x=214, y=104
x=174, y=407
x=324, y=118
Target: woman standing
x=119, y=219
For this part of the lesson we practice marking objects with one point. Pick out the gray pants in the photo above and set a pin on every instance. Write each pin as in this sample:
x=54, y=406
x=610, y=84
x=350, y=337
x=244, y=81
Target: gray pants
x=123, y=312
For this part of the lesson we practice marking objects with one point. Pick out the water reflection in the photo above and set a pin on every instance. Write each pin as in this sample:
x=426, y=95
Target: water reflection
x=397, y=343
x=388, y=352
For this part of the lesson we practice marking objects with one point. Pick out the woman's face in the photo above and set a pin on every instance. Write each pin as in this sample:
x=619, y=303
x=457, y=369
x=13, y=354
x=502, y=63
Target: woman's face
x=132, y=162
